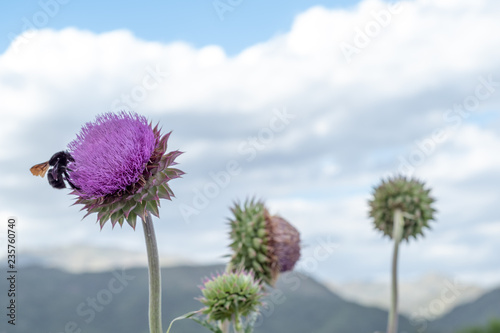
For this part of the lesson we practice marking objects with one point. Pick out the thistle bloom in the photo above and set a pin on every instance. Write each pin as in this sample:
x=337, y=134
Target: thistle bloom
x=266, y=244
x=231, y=295
x=121, y=168
x=118, y=168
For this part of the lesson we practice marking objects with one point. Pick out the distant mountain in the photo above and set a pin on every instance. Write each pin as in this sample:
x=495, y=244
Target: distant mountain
x=311, y=307
x=477, y=313
x=54, y=301
x=417, y=294
x=79, y=258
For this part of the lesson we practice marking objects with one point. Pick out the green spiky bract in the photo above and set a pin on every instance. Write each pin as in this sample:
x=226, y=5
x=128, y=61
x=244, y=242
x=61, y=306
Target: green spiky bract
x=141, y=197
x=265, y=244
x=409, y=196
x=231, y=295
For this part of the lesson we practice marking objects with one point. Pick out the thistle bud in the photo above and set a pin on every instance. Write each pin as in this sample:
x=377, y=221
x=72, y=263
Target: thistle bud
x=230, y=295
x=410, y=197
x=267, y=245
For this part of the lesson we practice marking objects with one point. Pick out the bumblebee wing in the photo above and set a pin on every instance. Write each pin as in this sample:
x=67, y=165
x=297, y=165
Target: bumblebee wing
x=40, y=169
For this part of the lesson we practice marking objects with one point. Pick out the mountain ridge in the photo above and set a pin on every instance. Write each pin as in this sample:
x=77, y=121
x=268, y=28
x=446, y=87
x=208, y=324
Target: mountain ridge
x=50, y=299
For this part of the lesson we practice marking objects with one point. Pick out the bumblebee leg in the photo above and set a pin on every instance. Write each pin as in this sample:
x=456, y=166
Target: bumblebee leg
x=66, y=177
x=55, y=182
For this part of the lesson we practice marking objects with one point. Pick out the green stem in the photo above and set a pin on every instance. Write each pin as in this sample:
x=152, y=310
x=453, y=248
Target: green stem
x=237, y=323
x=397, y=235
x=154, y=276
x=224, y=326
x=187, y=315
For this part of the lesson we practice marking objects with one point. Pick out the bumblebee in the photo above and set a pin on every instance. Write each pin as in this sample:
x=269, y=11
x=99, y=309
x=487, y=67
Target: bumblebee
x=57, y=167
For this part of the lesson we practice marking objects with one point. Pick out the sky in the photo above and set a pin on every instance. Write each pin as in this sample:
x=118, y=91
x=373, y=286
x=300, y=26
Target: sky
x=304, y=104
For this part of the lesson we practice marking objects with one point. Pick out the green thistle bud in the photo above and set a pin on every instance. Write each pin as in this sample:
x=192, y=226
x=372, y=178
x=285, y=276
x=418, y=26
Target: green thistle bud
x=262, y=243
x=407, y=196
x=230, y=295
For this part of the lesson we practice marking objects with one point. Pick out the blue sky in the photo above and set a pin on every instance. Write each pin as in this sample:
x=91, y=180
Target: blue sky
x=197, y=21
x=362, y=103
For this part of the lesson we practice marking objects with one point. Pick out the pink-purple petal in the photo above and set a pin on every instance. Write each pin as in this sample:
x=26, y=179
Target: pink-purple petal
x=110, y=153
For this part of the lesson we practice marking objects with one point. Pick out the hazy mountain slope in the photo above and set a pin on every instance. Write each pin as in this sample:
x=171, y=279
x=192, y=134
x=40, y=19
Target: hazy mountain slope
x=477, y=313
x=54, y=301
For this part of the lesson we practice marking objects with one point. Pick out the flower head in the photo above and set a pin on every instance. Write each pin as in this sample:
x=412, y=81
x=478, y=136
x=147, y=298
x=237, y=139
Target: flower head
x=231, y=294
x=121, y=168
x=111, y=153
x=266, y=244
x=407, y=195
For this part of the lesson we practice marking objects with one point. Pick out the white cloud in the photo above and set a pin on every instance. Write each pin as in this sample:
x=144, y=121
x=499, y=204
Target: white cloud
x=352, y=121
x=468, y=153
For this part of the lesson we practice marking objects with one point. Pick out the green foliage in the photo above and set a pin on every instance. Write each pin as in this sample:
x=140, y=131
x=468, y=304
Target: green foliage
x=493, y=327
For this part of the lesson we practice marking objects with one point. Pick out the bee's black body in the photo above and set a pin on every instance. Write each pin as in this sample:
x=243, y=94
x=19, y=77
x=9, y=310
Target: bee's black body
x=58, y=173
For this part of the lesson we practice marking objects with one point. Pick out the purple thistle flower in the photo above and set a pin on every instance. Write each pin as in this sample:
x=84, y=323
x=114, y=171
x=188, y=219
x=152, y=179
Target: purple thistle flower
x=111, y=153
x=118, y=168
x=121, y=168
x=286, y=243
